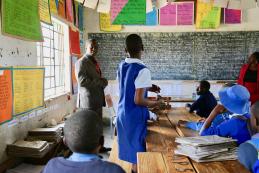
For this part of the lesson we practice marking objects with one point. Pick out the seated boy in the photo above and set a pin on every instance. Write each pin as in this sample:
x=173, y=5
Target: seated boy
x=234, y=99
x=82, y=134
x=206, y=102
x=248, y=151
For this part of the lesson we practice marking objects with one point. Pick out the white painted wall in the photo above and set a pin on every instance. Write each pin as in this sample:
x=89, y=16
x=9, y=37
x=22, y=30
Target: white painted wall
x=250, y=23
x=55, y=108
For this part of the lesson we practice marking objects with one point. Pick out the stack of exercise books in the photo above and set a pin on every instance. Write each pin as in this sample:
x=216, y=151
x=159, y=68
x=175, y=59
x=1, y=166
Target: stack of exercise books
x=53, y=134
x=34, y=149
x=207, y=148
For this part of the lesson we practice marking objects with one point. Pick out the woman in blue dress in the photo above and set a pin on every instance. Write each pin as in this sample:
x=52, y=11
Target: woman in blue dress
x=134, y=82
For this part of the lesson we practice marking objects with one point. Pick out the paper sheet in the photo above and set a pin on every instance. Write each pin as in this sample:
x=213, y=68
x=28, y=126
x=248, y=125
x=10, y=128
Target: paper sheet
x=91, y=3
x=161, y=3
x=104, y=6
x=247, y=4
x=221, y=3
x=149, y=6
x=234, y=4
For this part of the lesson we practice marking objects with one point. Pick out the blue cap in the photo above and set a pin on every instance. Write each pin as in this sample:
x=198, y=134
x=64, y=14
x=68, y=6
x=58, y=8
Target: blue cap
x=235, y=99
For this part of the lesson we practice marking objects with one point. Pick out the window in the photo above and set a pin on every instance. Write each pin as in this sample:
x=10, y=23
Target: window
x=53, y=55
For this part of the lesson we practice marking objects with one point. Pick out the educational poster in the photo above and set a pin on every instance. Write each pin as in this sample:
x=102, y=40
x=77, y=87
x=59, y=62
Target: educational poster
x=185, y=13
x=69, y=11
x=128, y=12
x=105, y=23
x=28, y=89
x=20, y=19
x=151, y=18
x=161, y=3
x=73, y=76
x=76, y=13
x=80, y=17
x=168, y=15
x=207, y=15
x=6, y=98
x=44, y=11
x=220, y=3
x=91, y=3
x=149, y=6
x=232, y=16
x=104, y=6
x=62, y=8
x=53, y=7
x=74, y=42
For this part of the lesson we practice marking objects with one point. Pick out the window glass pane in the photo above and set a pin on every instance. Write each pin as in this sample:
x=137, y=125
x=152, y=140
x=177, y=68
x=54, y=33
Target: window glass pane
x=47, y=83
x=47, y=71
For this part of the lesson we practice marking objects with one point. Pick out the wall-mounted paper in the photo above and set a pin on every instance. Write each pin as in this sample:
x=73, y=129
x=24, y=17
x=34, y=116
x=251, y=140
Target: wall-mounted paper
x=61, y=8
x=81, y=17
x=185, y=13
x=91, y=3
x=132, y=13
x=161, y=3
x=152, y=18
x=232, y=16
x=21, y=19
x=149, y=6
x=28, y=93
x=104, y=6
x=74, y=42
x=247, y=4
x=53, y=7
x=116, y=7
x=234, y=4
x=44, y=11
x=69, y=11
x=221, y=3
x=6, y=96
x=168, y=15
x=207, y=16
x=105, y=23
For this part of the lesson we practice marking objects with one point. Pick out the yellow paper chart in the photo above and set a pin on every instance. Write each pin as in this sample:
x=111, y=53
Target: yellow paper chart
x=105, y=23
x=53, y=7
x=44, y=11
x=208, y=16
x=28, y=88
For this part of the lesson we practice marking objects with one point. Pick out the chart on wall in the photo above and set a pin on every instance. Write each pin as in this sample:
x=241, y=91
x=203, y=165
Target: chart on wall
x=128, y=12
x=20, y=19
x=6, y=98
x=28, y=89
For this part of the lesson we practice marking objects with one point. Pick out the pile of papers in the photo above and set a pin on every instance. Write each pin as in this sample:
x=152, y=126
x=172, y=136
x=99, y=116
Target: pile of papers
x=207, y=148
x=53, y=134
x=35, y=149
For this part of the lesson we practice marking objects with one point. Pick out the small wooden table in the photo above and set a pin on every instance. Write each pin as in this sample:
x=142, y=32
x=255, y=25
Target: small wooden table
x=160, y=158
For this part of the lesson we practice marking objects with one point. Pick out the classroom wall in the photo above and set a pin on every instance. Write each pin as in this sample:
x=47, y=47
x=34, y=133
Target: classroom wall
x=250, y=23
x=55, y=108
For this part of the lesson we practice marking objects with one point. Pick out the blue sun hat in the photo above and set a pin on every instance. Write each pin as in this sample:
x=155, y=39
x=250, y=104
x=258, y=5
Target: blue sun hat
x=235, y=99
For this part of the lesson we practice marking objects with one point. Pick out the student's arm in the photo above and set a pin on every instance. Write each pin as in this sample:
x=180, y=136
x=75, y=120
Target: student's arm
x=195, y=105
x=217, y=110
x=140, y=99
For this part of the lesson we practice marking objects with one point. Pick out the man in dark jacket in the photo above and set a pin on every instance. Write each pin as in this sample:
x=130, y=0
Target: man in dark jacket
x=91, y=84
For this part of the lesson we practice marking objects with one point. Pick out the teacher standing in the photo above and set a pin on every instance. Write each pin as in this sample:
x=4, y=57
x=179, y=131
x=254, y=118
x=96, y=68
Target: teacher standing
x=91, y=84
x=249, y=76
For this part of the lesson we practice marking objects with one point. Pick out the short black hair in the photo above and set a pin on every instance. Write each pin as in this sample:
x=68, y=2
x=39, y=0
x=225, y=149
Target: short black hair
x=89, y=41
x=83, y=131
x=256, y=55
x=205, y=84
x=134, y=44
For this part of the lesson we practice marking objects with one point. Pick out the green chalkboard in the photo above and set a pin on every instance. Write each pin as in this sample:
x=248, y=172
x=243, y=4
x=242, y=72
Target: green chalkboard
x=20, y=19
x=134, y=12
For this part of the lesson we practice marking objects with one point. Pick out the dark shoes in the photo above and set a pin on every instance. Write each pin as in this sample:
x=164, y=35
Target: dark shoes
x=104, y=150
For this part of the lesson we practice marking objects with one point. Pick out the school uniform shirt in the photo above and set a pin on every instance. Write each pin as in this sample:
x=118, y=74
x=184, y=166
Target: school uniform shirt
x=256, y=167
x=236, y=127
x=132, y=119
x=204, y=104
x=83, y=163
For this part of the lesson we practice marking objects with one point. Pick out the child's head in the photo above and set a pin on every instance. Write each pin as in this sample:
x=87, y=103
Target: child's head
x=253, y=59
x=83, y=132
x=235, y=99
x=134, y=45
x=203, y=87
x=91, y=47
x=255, y=117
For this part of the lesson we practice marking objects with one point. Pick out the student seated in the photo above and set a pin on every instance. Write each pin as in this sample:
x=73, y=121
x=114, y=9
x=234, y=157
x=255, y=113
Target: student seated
x=83, y=135
x=205, y=103
x=234, y=99
x=248, y=151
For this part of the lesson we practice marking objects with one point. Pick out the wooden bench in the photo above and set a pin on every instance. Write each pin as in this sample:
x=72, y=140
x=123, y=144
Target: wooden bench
x=211, y=167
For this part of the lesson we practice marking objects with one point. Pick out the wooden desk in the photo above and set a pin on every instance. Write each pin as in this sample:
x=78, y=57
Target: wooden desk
x=160, y=158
